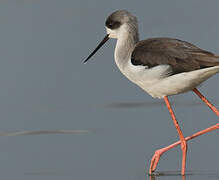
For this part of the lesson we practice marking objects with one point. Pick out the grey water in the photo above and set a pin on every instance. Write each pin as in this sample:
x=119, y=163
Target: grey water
x=61, y=119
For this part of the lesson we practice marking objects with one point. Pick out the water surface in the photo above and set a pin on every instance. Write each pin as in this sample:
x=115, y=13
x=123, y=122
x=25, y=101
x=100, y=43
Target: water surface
x=61, y=119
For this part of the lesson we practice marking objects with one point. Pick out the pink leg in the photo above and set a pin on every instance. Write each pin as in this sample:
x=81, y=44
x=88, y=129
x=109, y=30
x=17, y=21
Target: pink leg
x=206, y=101
x=182, y=139
x=158, y=153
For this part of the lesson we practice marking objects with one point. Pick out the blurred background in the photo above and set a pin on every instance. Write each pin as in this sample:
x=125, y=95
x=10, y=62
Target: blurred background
x=111, y=127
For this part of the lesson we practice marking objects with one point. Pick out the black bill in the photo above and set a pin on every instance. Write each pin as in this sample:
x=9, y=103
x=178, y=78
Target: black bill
x=106, y=38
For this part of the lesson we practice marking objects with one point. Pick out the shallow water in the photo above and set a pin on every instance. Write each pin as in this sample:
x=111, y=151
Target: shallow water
x=122, y=152
x=61, y=119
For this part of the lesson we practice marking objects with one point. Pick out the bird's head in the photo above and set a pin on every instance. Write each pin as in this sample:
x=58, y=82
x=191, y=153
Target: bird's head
x=117, y=24
x=120, y=22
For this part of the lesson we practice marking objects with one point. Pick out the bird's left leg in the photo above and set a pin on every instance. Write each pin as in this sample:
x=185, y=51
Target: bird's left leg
x=204, y=99
x=183, y=142
x=158, y=153
x=156, y=157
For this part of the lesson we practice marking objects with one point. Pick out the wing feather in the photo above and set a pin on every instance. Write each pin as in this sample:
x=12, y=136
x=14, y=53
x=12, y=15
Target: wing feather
x=180, y=55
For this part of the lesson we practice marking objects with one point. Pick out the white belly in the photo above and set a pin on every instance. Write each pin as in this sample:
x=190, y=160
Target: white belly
x=156, y=81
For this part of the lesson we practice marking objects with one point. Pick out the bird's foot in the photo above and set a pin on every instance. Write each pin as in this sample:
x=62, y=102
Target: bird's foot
x=155, y=159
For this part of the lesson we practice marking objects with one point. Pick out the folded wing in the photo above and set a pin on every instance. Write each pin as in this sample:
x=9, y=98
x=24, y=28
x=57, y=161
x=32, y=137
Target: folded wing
x=180, y=55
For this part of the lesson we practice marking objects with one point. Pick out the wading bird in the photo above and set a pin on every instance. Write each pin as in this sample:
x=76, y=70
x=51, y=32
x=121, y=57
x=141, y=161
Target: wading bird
x=162, y=67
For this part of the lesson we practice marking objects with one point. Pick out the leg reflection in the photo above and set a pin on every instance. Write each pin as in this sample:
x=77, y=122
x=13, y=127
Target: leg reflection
x=154, y=177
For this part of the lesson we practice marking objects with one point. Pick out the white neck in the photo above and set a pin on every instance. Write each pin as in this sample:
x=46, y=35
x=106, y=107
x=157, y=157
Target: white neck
x=125, y=45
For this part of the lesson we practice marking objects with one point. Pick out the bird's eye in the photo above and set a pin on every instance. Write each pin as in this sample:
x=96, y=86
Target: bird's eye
x=110, y=25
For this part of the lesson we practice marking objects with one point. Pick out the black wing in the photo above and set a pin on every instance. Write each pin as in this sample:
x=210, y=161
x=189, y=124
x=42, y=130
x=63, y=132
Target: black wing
x=180, y=55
